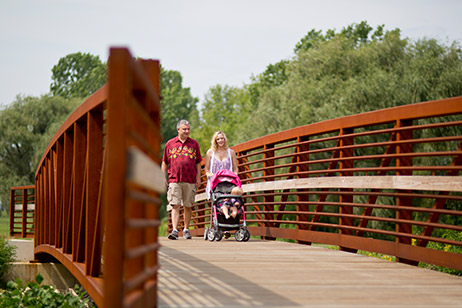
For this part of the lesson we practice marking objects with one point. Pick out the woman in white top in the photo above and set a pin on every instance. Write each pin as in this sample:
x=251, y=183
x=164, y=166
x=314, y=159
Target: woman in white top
x=219, y=157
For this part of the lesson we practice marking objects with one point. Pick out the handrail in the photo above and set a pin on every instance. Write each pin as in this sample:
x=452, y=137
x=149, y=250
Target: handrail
x=379, y=181
x=22, y=211
x=90, y=194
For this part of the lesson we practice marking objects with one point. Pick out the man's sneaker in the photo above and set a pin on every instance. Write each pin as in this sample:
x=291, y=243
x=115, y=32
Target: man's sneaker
x=173, y=235
x=186, y=234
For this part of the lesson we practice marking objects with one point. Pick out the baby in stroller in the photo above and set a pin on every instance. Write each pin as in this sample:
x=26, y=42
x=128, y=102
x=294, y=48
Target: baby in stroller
x=227, y=207
x=231, y=204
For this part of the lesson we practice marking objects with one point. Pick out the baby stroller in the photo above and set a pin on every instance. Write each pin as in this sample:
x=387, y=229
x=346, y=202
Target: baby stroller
x=222, y=183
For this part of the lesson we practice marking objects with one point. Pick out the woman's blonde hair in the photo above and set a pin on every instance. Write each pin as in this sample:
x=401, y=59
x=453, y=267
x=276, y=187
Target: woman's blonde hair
x=213, y=142
x=237, y=191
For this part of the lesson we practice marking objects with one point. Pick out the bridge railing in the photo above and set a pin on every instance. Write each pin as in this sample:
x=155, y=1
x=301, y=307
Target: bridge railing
x=386, y=181
x=97, y=188
x=22, y=211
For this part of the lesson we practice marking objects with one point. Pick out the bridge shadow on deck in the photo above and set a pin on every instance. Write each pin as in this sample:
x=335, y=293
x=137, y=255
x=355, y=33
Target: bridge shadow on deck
x=188, y=281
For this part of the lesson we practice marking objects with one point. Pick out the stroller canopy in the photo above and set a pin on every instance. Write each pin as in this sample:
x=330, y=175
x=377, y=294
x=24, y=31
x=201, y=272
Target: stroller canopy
x=225, y=175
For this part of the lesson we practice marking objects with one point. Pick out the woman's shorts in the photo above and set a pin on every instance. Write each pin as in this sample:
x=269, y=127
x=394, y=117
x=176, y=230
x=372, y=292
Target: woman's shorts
x=180, y=194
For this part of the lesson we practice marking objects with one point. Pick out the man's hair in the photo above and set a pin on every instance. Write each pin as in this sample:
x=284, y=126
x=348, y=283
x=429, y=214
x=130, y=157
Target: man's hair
x=182, y=122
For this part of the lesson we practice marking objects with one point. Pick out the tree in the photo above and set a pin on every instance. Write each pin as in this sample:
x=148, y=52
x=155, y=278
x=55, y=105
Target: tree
x=225, y=108
x=177, y=103
x=274, y=76
x=353, y=71
x=77, y=75
x=26, y=128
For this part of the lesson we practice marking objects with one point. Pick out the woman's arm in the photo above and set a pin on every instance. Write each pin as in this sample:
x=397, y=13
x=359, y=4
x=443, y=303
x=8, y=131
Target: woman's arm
x=234, y=158
x=208, y=156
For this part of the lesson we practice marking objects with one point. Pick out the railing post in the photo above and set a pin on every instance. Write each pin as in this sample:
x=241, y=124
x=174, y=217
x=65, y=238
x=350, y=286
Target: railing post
x=59, y=193
x=269, y=162
x=12, y=202
x=404, y=148
x=302, y=197
x=346, y=198
x=67, y=180
x=93, y=165
x=79, y=210
x=24, y=212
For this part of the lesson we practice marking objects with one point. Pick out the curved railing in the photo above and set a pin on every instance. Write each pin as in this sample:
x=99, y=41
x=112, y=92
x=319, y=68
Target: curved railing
x=96, y=208
x=386, y=181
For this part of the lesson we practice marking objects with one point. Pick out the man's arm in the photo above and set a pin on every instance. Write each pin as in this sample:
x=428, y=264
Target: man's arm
x=198, y=174
x=164, y=168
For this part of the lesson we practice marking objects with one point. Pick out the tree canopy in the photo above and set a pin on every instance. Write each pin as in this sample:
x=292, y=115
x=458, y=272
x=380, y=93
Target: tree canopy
x=26, y=127
x=177, y=103
x=77, y=75
x=351, y=71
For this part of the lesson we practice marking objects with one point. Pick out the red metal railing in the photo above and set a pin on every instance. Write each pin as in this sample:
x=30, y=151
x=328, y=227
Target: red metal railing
x=22, y=211
x=96, y=210
x=386, y=181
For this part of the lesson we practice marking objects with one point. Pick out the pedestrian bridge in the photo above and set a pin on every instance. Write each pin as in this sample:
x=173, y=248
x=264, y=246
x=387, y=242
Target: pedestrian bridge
x=386, y=182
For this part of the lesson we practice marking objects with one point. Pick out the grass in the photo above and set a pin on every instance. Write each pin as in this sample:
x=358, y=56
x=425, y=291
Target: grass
x=4, y=224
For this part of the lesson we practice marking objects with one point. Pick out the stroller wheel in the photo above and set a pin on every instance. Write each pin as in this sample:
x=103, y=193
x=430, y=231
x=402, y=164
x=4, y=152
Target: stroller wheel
x=239, y=235
x=206, y=230
x=246, y=235
x=211, y=235
x=218, y=235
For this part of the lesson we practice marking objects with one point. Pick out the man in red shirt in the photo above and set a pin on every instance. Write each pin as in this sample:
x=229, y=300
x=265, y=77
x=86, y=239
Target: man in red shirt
x=182, y=159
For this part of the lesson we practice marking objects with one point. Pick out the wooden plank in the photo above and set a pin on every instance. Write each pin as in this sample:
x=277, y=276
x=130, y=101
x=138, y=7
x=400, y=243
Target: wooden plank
x=143, y=171
x=198, y=273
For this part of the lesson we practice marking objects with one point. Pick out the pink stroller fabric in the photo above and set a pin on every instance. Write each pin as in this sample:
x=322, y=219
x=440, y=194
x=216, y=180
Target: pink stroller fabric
x=225, y=175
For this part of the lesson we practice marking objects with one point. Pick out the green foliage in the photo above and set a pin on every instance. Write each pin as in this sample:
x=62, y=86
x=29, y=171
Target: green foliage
x=4, y=224
x=7, y=255
x=451, y=235
x=356, y=70
x=177, y=103
x=377, y=255
x=356, y=33
x=274, y=76
x=81, y=74
x=37, y=296
x=26, y=127
x=224, y=108
x=77, y=75
x=163, y=228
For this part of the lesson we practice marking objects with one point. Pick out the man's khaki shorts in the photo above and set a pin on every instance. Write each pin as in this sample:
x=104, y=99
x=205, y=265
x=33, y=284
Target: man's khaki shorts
x=180, y=194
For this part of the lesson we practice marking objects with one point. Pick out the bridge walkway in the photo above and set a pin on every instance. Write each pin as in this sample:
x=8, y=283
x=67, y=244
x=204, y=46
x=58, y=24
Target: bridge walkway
x=258, y=273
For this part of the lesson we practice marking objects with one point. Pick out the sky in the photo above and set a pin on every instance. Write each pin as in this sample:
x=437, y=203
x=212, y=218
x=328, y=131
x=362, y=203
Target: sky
x=209, y=42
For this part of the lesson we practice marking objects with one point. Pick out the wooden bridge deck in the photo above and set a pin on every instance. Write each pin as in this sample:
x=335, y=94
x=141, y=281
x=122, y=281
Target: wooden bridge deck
x=198, y=273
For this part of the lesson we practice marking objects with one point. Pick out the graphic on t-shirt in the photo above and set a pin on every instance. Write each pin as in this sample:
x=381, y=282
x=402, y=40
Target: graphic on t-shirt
x=182, y=151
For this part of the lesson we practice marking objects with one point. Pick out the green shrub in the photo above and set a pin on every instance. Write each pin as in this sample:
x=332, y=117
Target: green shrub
x=7, y=255
x=163, y=228
x=37, y=296
x=452, y=235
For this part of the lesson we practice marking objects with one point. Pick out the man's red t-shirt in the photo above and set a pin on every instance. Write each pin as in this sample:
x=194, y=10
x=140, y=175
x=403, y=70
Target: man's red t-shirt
x=181, y=159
